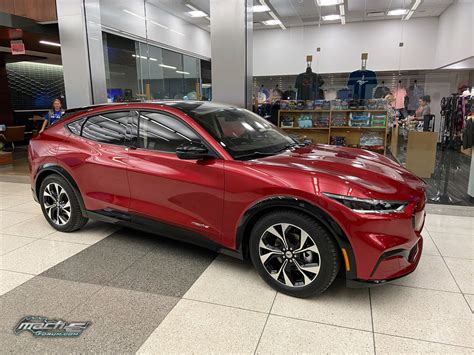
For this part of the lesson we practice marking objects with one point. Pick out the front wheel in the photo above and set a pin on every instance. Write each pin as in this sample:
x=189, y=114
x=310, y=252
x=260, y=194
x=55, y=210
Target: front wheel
x=60, y=205
x=293, y=253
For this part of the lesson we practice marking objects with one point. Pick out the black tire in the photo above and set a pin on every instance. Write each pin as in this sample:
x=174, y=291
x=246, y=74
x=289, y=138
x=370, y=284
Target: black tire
x=328, y=259
x=76, y=219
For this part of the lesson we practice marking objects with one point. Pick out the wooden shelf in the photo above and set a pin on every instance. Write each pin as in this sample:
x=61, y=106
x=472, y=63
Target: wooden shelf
x=358, y=128
x=323, y=134
x=359, y=110
x=304, y=111
x=307, y=129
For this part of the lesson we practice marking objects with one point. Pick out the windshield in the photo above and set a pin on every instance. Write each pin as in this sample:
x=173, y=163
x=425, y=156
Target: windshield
x=242, y=133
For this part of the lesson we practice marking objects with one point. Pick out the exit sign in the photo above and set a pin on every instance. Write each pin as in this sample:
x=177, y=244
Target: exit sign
x=18, y=47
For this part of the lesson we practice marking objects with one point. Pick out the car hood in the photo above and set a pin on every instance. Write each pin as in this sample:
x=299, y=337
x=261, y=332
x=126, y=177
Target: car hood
x=372, y=173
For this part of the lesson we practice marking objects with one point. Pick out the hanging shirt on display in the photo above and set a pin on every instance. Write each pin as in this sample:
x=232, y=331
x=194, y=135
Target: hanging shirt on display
x=263, y=94
x=330, y=94
x=308, y=85
x=344, y=94
x=362, y=83
x=289, y=95
x=414, y=94
x=400, y=94
x=381, y=91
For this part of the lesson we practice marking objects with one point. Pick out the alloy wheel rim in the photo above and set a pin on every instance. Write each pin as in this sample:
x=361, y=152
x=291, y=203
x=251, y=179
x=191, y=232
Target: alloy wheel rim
x=57, y=204
x=289, y=255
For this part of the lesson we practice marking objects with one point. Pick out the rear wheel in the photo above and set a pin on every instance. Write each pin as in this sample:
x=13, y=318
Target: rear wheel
x=293, y=253
x=60, y=204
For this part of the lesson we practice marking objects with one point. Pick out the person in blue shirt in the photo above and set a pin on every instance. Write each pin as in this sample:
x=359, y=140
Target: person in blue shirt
x=53, y=115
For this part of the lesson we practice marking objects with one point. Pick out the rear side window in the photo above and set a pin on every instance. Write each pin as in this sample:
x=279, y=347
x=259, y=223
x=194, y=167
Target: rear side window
x=161, y=132
x=109, y=128
x=76, y=126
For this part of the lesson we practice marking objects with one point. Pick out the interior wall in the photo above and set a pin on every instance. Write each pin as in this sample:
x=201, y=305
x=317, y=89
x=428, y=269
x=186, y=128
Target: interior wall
x=278, y=52
x=454, y=35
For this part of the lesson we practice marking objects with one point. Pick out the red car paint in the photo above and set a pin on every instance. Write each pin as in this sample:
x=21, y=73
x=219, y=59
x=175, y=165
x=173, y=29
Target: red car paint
x=210, y=197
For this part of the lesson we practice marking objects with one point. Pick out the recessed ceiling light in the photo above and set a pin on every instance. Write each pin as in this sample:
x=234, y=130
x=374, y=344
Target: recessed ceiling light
x=197, y=13
x=412, y=10
x=260, y=8
x=331, y=17
x=182, y=72
x=50, y=43
x=342, y=11
x=409, y=15
x=272, y=22
x=397, y=12
x=329, y=2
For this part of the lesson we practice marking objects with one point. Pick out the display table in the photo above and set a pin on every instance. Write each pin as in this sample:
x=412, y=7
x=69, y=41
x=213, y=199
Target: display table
x=394, y=141
x=421, y=153
x=6, y=158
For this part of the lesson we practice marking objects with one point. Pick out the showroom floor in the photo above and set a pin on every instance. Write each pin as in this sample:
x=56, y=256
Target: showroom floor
x=149, y=294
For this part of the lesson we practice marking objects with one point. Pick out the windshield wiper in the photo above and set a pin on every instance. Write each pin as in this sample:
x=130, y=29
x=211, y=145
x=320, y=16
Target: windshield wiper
x=289, y=146
x=254, y=154
x=266, y=154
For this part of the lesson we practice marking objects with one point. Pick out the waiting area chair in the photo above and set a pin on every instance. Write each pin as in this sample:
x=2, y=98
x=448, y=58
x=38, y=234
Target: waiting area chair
x=14, y=134
x=428, y=123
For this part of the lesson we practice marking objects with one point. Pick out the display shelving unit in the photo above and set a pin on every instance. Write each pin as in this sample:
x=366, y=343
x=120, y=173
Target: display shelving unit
x=322, y=135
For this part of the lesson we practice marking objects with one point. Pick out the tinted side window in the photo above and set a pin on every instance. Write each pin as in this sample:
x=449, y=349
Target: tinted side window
x=75, y=127
x=107, y=128
x=162, y=132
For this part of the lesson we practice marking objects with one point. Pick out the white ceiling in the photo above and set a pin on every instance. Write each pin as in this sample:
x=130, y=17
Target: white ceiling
x=294, y=13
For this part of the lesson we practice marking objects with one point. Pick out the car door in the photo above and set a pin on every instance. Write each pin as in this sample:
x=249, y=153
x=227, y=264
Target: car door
x=184, y=193
x=96, y=156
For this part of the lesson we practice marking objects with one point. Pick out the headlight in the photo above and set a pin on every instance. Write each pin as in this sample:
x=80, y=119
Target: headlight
x=360, y=205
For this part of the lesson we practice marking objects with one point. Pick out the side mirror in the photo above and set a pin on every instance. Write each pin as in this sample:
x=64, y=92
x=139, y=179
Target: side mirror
x=192, y=151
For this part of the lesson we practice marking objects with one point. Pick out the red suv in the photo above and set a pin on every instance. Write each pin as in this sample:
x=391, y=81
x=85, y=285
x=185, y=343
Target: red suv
x=225, y=178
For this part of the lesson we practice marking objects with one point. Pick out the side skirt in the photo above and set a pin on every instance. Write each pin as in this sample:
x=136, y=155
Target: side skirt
x=162, y=229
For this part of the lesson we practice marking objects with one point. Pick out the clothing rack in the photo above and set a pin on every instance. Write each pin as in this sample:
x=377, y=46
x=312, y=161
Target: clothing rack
x=452, y=123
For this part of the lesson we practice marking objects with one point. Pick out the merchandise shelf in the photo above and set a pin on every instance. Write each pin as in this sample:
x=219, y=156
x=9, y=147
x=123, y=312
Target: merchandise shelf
x=350, y=134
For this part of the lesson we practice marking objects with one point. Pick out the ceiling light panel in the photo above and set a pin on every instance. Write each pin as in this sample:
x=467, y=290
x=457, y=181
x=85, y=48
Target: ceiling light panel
x=272, y=22
x=331, y=17
x=329, y=2
x=260, y=8
x=397, y=12
x=197, y=13
x=342, y=11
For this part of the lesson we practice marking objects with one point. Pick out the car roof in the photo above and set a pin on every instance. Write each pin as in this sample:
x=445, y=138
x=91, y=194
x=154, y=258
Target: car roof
x=183, y=105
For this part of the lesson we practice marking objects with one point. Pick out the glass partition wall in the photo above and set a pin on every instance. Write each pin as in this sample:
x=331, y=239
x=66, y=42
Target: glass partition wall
x=136, y=70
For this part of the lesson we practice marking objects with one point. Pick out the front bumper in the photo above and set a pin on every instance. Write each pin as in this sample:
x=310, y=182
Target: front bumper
x=398, y=263
x=384, y=247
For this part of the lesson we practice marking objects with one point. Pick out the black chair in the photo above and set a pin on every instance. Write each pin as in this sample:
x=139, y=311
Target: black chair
x=428, y=123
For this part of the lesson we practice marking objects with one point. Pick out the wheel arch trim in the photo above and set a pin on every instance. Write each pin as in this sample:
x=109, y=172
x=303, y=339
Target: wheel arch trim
x=261, y=207
x=51, y=168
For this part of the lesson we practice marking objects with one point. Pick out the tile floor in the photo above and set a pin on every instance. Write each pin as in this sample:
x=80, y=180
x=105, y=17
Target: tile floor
x=151, y=295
